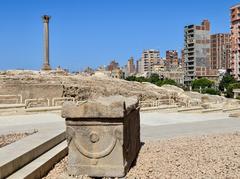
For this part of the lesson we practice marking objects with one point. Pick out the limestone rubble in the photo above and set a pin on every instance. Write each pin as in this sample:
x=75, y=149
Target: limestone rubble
x=210, y=156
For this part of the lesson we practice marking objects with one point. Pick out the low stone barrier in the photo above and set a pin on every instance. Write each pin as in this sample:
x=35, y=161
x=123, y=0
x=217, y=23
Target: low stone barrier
x=237, y=114
x=103, y=136
x=44, y=109
x=231, y=109
x=211, y=110
x=159, y=108
x=156, y=103
x=10, y=99
x=190, y=109
x=38, y=102
x=60, y=101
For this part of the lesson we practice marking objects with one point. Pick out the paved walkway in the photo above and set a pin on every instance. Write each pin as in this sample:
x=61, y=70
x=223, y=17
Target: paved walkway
x=25, y=123
x=154, y=125
x=157, y=125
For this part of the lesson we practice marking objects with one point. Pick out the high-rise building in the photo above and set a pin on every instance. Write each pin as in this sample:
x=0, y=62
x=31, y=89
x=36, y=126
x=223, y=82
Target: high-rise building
x=197, y=51
x=171, y=59
x=149, y=58
x=130, y=66
x=138, y=66
x=182, y=61
x=220, y=51
x=235, y=41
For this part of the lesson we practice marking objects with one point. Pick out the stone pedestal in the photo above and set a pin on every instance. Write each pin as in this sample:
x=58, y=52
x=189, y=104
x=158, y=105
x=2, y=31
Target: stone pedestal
x=103, y=136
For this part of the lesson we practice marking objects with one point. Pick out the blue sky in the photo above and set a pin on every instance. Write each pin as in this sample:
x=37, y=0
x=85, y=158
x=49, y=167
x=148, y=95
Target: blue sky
x=93, y=32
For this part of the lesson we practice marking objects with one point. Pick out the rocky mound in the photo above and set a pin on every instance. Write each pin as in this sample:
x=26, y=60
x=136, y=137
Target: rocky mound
x=90, y=87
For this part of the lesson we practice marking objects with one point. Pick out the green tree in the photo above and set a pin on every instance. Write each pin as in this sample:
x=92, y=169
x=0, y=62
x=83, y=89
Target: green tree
x=226, y=81
x=230, y=89
x=141, y=79
x=154, y=78
x=211, y=91
x=131, y=78
x=203, y=83
x=166, y=82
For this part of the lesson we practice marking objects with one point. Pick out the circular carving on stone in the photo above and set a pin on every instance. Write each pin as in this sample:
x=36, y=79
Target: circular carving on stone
x=94, y=137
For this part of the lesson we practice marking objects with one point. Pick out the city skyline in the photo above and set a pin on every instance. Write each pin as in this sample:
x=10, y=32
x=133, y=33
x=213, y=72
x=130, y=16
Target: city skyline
x=94, y=33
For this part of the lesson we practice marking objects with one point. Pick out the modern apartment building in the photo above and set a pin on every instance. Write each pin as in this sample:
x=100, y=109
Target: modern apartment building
x=197, y=51
x=220, y=51
x=130, y=66
x=138, y=66
x=182, y=61
x=171, y=59
x=235, y=41
x=149, y=58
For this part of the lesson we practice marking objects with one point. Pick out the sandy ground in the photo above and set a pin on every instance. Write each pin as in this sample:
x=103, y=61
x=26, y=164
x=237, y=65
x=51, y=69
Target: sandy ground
x=209, y=156
x=10, y=138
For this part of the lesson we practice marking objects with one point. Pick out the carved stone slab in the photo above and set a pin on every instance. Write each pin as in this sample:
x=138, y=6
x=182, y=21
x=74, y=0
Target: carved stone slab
x=103, y=136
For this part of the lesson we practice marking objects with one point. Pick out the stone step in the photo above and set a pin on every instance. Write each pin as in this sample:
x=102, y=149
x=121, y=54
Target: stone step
x=159, y=107
x=9, y=109
x=190, y=109
x=10, y=106
x=44, y=109
x=43, y=164
x=231, y=109
x=237, y=114
x=211, y=110
x=20, y=153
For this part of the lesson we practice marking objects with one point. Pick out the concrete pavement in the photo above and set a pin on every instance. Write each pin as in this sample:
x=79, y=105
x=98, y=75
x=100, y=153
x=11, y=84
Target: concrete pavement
x=154, y=125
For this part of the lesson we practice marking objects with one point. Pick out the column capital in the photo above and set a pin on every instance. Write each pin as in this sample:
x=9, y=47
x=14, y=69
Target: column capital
x=46, y=18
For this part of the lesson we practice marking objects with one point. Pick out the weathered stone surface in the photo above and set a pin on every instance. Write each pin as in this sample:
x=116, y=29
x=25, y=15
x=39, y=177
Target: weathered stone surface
x=102, y=107
x=236, y=114
x=103, y=136
x=30, y=90
x=34, y=84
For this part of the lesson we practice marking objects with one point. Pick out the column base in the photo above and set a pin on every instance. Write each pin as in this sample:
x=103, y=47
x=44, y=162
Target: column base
x=46, y=67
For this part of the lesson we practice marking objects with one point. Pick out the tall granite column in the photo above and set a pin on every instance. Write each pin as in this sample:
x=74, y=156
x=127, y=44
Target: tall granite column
x=46, y=64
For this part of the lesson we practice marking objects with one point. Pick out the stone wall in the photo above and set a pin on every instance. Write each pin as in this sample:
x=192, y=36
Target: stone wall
x=31, y=91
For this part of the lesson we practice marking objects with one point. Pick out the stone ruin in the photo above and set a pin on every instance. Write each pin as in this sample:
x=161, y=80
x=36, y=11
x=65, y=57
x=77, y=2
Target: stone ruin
x=103, y=136
x=17, y=87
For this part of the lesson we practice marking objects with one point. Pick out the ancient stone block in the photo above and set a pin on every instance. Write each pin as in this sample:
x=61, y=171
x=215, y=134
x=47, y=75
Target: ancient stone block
x=103, y=136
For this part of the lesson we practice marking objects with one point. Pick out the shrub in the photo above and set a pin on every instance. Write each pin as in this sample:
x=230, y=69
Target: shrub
x=230, y=88
x=211, y=91
x=131, y=78
x=166, y=82
x=154, y=78
x=226, y=81
x=203, y=83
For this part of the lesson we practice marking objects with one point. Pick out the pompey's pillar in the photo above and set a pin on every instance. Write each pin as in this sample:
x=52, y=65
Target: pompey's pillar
x=46, y=64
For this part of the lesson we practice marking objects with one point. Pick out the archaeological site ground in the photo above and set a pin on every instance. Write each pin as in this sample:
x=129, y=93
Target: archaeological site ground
x=54, y=125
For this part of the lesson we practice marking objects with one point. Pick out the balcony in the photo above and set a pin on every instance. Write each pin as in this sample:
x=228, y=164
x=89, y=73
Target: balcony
x=190, y=55
x=190, y=74
x=190, y=69
x=191, y=45
x=190, y=41
x=191, y=65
